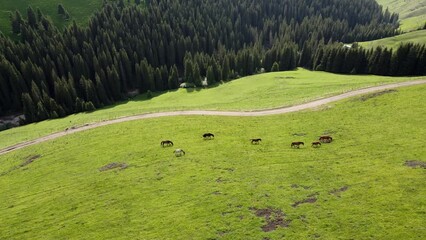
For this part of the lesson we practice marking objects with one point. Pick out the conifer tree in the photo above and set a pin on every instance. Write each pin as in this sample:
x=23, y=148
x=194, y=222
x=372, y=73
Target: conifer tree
x=275, y=67
x=210, y=75
x=173, y=78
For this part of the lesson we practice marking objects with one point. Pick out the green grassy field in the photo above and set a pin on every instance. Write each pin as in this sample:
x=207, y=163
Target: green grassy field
x=394, y=42
x=79, y=10
x=269, y=90
x=357, y=187
x=412, y=13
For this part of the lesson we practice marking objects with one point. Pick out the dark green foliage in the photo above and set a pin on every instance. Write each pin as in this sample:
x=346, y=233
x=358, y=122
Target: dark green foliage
x=210, y=76
x=61, y=9
x=173, y=78
x=17, y=21
x=147, y=47
x=189, y=76
x=196, y=75
x=148, y=94
x=32, y=19
x=225, y=69
x=29, y=108
x=275, y=67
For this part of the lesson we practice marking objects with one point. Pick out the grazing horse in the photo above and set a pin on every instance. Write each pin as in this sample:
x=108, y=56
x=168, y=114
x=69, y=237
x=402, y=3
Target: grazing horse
x=316, y=144
x=166, y=143
x=208, y=135
x=179, y=152
x=255, y=140
x=325, y=139
x=297, y=144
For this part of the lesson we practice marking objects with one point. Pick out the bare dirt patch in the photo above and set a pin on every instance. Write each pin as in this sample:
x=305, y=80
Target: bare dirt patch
x=114, y=165
x=28, y=160
x=337, y=192
x=223, y=232
x=302, y=186
x=224, y=169
x=415, y=164
x=219, y=180
x=310, y=199
x=274, y=218
x=376, y=94
x=299, y=134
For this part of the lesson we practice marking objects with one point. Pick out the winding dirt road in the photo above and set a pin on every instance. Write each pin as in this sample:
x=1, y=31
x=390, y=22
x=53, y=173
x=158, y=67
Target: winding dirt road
x=282, y=110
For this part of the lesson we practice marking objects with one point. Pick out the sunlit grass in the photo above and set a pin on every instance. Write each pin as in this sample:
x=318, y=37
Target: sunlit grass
x=417, y=37
x=412, y=13
x=255, y=92
x=210, y=193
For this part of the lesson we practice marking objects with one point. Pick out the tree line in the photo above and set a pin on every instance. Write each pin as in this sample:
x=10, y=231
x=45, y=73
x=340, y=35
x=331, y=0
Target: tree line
x=156, y=44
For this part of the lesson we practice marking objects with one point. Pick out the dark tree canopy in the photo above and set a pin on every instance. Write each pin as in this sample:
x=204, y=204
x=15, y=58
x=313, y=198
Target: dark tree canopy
x=152, y=45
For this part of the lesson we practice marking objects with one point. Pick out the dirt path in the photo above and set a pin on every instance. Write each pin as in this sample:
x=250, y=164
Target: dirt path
x=282, y=110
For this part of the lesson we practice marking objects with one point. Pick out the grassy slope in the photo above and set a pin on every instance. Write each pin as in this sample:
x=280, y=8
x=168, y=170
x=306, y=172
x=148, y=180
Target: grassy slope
x=254, y=92
x=411, y=12
x=394, y=42
x=208, y=193
x=80, y=10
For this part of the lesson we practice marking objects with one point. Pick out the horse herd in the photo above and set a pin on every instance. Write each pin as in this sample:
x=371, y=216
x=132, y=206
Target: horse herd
x=208, y=136
x=322, y=139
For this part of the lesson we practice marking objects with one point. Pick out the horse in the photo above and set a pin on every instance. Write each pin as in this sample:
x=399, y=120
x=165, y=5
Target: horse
x=208, y=135
x=316, y=144
x=255, y=140
x=297, y=144
x=325, y=139
x=179, y=152
x=166, y=143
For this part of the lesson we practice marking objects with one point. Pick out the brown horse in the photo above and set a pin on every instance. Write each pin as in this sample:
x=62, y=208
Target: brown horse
x=255, y=140
x=325, y=139
x=166, y=143
x=316, y=144
x=297, y=144
x=208, y=135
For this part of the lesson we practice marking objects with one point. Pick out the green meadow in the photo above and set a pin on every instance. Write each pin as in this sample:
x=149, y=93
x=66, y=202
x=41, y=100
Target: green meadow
x=357, y=187
x=418, y=37
x=412, y=13
x=255, y=92
x=79, y=10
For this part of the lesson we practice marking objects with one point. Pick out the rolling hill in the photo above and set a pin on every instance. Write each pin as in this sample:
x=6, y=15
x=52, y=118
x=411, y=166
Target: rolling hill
x=270, y=90
x=412, y=13
x=393, y=42
x=117, y=182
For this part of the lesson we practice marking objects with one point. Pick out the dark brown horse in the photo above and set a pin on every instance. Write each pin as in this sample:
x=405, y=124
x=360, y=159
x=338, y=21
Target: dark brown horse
x=316, y=144
x=297, y=144
x=166, y=143
x=208, y=135
x=255, y=140
x=325, y=139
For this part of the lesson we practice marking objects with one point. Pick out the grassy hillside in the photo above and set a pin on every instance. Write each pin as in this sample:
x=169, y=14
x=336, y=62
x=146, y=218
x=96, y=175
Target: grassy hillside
x=250, y=93
x=80, y=10
x=411, y=12
x=394, y=42
x=357, y=187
